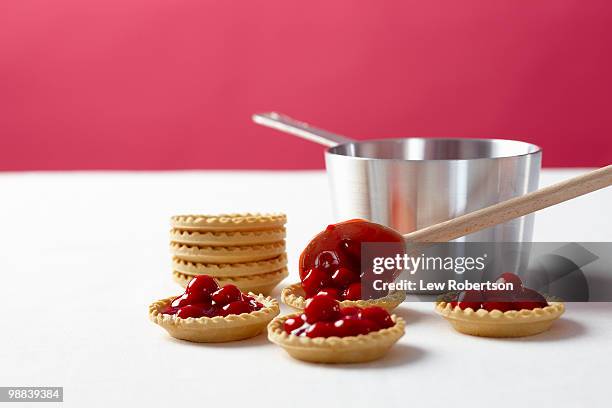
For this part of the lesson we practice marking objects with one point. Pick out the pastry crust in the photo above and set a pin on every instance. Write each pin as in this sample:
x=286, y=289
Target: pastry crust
x=227, y=254
x=227, y=238
x=294, y=296
x=512, y=323
x=215, y=329
x=228, y=222
x=263, y=283
x=354, y=349
x=230, y=270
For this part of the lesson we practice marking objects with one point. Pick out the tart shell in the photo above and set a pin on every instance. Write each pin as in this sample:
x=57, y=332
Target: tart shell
x=215, y=329
x=353, y=349
x=227, y=254
x=228, y=222
x=230, y=269
x=294, y=296
x=262, y=283
x=227, y=238
x=513, y=323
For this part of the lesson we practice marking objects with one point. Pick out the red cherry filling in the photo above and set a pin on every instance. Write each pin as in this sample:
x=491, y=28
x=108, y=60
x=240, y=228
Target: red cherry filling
x=469, y=299
x=353, y=292
x=180, y=301
x=335, y=293
x=200, y=290
x=226, y=295
x=332, y=259
x=517, y=298
x=323, y=317
x=253, y=304
x=343, y=277
x=508, y=277
x=197, y=310
x=204, y=298
x=292, y=324
x=530, y=299
x=322, y=308
x=314, y=281
x=321, y=329
x=237, y=307
x=350, y=311
x=378, y=315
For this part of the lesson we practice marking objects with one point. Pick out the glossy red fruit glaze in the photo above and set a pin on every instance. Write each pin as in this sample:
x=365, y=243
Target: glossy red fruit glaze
x=322, y=308
x=293, y=323
x=180, y=301
x=354, y=326
x=348, y=326
x=469, y=299
x=200, y=288
x=343, y=277
x=236, y=307
x=507, y=277
x=353, y=292
x=503, y=300
x=190, y=311
x=340, y=246
x=209, y=310
x=253, y=304
x=314, y=281
x=350, y=311
x=530, y=299
x=317, y=321
x=502, y=305
x=226, y=295
x=378, y=315
x=169, y=310
x=353, y=248
x=321, y=329
x=368, y=326
x=335, y=293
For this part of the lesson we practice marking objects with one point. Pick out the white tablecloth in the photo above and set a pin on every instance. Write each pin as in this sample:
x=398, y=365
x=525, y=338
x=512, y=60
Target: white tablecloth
x=83, y=254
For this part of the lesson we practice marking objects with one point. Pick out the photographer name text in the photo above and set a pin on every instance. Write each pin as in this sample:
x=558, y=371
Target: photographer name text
x=449, y=285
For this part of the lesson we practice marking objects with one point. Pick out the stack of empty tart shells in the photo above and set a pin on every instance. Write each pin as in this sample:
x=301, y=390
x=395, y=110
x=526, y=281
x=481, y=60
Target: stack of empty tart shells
x=246, y=250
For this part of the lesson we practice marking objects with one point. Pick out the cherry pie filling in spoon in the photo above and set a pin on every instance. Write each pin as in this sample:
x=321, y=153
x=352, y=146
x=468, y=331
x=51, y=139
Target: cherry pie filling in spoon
x=331, y=262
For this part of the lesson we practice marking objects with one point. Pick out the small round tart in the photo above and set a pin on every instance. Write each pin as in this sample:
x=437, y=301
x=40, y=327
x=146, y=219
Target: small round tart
x=216, y=329
x=507, y=309
x=228, y=222
x=208, y=312
x=227, y=254
x=328, y=333
x=495, y=323
x=295, y=297
x=227, y=238
x=262, y=283
x=230, y=269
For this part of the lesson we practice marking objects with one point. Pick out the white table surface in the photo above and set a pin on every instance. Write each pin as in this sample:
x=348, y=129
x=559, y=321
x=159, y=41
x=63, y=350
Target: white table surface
x=83, y=254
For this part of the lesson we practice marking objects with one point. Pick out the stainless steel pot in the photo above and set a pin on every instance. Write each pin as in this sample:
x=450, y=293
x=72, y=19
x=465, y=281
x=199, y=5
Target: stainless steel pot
x=411, y=183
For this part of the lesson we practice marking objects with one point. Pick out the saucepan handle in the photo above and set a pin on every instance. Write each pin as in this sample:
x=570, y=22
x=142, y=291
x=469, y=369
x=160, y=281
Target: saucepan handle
x=305, y=131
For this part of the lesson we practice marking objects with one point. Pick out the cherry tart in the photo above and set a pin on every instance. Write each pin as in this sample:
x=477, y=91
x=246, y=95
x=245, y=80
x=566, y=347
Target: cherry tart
x=295, y=297
x=514, y=312
x=208, y=313
x=331, y=264
x=329, y=333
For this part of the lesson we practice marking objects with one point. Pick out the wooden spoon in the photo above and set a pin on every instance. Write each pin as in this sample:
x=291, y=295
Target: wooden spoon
x=513, y=208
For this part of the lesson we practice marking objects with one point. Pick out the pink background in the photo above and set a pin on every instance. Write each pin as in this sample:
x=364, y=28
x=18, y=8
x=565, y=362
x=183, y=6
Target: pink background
x=151, y=84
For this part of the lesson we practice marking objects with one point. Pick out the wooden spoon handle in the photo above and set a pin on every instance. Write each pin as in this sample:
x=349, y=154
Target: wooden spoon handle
x=514, y=208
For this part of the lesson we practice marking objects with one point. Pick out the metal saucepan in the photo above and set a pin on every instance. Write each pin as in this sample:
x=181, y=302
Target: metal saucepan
x=411, y=183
